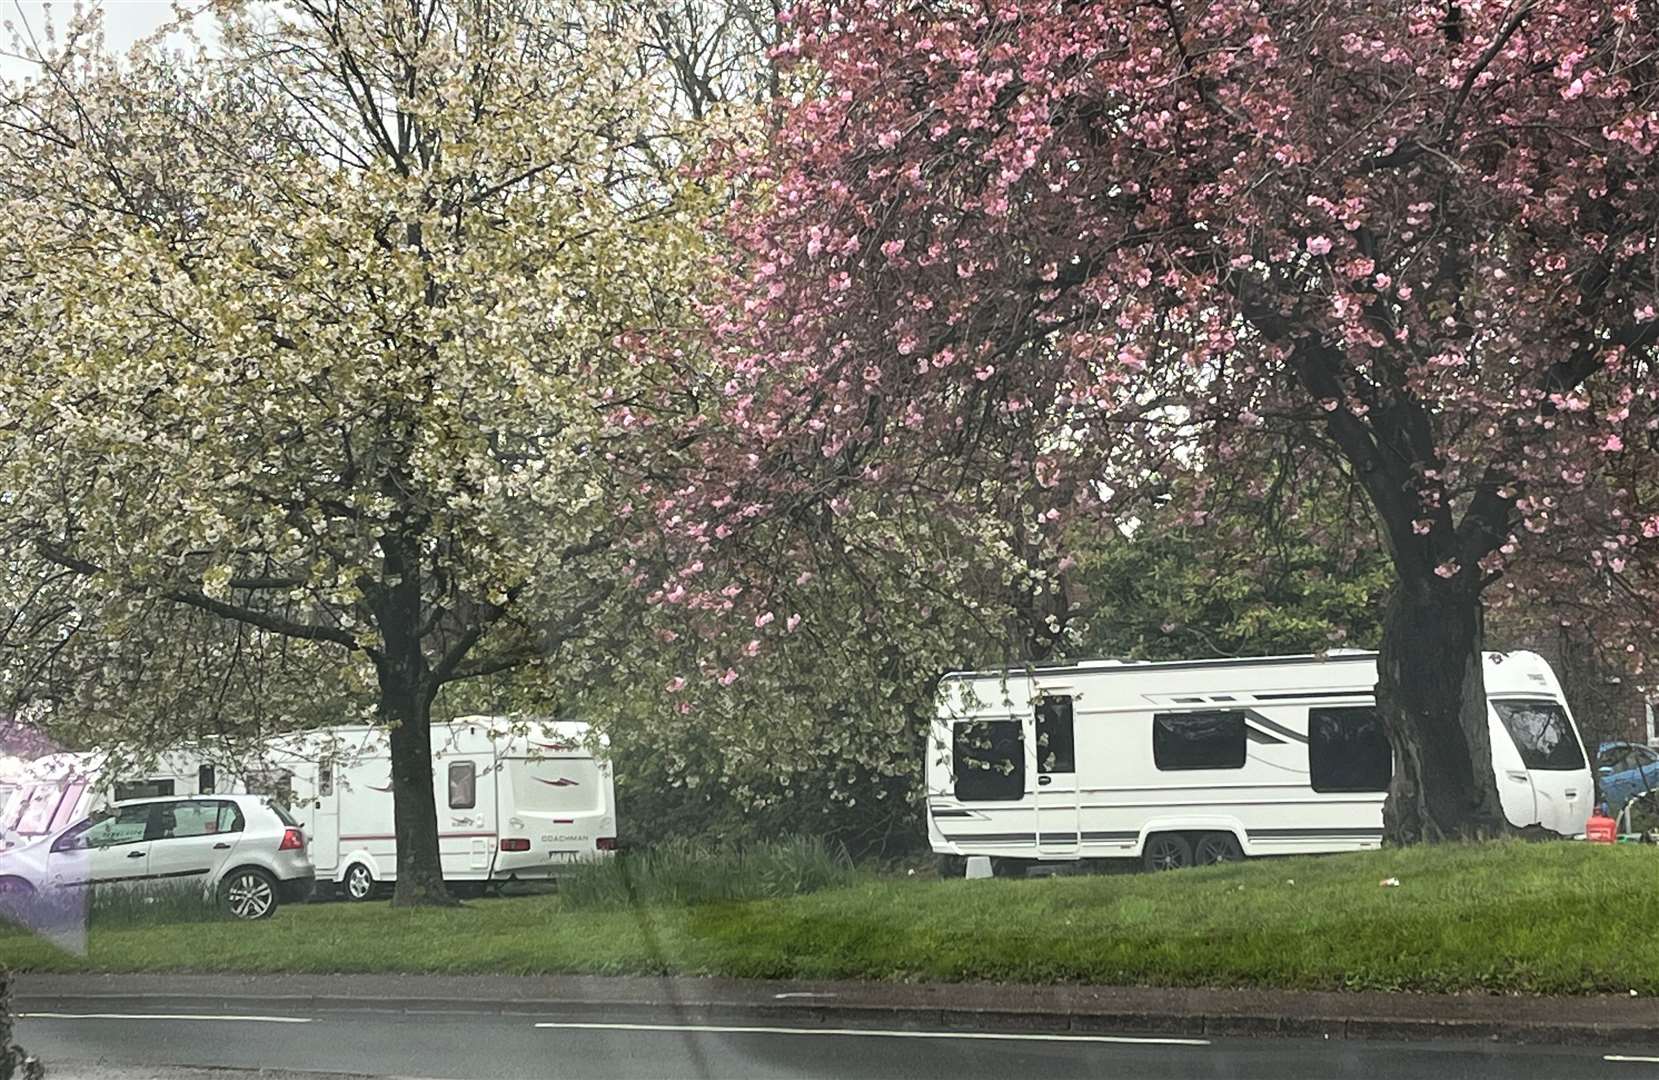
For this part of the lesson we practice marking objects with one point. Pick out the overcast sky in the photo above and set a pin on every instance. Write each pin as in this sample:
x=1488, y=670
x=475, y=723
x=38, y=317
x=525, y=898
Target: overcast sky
x=125, y=21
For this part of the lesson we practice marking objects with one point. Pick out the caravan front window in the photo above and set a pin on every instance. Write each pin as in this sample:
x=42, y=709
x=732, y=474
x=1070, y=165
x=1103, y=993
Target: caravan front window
x=1542, y=733
x=1198, y=740
x=990, y=760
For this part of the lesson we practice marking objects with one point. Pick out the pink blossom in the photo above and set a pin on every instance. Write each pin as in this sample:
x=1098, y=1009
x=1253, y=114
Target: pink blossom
x=675, y=685
x=763, y=619
x=1447, y=569
x=729, y=677
x=1613, y=444
x=752, y=648
x=791, y=623
x=1319, y=245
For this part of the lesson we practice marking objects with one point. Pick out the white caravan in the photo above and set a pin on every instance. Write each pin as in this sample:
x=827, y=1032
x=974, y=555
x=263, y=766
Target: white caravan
x=1204, y=761
x=516, y=801
x=55, y=791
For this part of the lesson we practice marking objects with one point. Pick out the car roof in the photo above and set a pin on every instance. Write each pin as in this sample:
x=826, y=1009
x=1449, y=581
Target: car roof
x=153, y=799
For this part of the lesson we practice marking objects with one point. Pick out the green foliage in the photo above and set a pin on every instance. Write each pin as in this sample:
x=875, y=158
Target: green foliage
x=1505, y=917
x=1247, y=582
x=682, y=872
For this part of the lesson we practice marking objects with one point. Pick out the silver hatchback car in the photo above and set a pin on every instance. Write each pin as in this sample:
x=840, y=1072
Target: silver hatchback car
x=246, y=851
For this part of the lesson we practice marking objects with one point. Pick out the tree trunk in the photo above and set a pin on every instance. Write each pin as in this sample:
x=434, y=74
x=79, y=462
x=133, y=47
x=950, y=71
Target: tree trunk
x=1432, y=696
x=420, y=875
x=406, y=692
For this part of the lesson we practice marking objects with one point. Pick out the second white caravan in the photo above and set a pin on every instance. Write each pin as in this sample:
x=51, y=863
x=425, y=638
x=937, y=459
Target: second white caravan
x=1204, y=761
x=516, y=801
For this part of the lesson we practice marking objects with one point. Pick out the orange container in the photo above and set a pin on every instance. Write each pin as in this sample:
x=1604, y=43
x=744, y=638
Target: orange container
x=1601, y=829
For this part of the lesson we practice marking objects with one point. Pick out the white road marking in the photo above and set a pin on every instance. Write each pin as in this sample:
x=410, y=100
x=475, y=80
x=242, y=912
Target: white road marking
x=879, y=1033
x=165, y=1016
x=1628, y=1057
x=800, y=994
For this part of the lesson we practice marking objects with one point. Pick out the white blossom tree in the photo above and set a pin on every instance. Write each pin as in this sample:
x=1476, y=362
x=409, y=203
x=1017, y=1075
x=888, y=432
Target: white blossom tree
x=319, y=334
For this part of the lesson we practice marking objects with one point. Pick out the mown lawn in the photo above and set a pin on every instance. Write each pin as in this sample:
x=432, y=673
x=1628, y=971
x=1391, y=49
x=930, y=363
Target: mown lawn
x=1543, y=918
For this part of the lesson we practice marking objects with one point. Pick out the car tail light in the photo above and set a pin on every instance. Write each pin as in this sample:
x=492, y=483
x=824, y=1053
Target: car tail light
x=514, y=843
x=605, y=843
x=292, y=840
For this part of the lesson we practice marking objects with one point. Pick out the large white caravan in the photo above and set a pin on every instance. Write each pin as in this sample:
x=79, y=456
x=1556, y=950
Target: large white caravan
x=54, y=791
x=1203, y=761
x=516, y=801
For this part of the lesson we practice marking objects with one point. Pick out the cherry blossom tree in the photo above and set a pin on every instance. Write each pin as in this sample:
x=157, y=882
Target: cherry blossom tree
x=1081, y=249
x=316, y=333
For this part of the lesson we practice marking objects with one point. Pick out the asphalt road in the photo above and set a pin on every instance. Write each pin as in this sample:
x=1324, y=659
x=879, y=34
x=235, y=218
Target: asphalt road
x=133, y=1042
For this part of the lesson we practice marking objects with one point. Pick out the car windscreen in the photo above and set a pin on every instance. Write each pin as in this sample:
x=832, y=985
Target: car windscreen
x=1542, y=733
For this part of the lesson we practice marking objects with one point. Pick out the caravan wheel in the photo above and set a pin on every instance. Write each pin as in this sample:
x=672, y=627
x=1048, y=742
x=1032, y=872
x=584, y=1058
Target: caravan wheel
x=1166, y=851
x=1216, y=847
x=359, y=883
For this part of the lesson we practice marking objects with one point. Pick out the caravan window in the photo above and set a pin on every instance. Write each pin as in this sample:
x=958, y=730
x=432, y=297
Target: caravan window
x=1542, y=733
x=990, y=760
x=1056, y=746
x=1348, y=750
x=142, y=789
x=463, y=785
x=1198, y=740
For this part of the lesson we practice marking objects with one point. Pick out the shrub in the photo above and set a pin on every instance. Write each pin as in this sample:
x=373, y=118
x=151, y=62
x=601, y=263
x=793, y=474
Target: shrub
x=691, y=872
x=14, y=1063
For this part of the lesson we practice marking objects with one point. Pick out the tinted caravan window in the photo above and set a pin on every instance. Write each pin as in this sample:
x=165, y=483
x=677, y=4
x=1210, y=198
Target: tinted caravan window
x=989, y=756
x=1348, y=751
x=1198, y=740
x=1056, y=747
x=1542, y=733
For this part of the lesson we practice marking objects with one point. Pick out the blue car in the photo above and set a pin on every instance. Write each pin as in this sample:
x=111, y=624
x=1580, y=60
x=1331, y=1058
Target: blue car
x=1625, y=770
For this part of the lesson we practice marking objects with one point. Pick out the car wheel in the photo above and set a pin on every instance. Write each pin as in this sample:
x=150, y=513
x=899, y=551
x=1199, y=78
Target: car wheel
x=1216, y=847
x=12, y=887
x=1166, y=851
x=359, y=883
x=249, y=893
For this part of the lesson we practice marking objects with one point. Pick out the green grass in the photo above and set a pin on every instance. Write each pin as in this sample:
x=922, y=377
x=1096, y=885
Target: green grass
x=1544, y=918
x=685, y=872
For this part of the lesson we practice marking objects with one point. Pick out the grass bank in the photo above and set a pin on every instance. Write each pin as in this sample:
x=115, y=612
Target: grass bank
x=1543, y=918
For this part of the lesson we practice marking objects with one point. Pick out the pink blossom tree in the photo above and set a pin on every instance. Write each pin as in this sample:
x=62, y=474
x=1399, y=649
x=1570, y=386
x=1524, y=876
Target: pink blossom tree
x=1067, y=250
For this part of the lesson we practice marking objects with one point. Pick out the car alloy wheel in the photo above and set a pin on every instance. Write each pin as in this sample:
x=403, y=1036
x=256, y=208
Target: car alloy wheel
x=250, y=894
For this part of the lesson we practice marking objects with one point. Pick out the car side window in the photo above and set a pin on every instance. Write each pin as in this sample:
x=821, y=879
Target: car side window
x=126, y=825
x=182, y=821
x=230, y=818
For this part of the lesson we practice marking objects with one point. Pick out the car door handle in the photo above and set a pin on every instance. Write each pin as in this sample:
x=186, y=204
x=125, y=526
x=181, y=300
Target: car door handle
x=221, y=847
x=135, y=854
x=1518, y=777
x=1045, y=780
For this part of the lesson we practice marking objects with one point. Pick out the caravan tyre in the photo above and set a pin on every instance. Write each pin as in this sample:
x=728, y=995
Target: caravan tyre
x=1216, y=847
x=359, y=883
x=1166, y=851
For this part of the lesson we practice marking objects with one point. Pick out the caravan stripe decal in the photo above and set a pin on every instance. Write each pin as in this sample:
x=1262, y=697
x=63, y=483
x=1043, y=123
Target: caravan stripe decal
x=1255, y=717
x=1309, y=834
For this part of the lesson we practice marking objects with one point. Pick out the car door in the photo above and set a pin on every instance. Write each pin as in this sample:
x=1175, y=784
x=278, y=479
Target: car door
x=108, y=848
x=190, y=841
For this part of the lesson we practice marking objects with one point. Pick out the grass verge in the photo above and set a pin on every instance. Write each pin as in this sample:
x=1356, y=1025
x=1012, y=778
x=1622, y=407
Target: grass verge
x=1540, y=918
x=683, y=872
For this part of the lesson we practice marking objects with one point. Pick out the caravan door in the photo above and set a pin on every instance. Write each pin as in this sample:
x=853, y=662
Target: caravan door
x=322, y=824
x=1057, y=795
